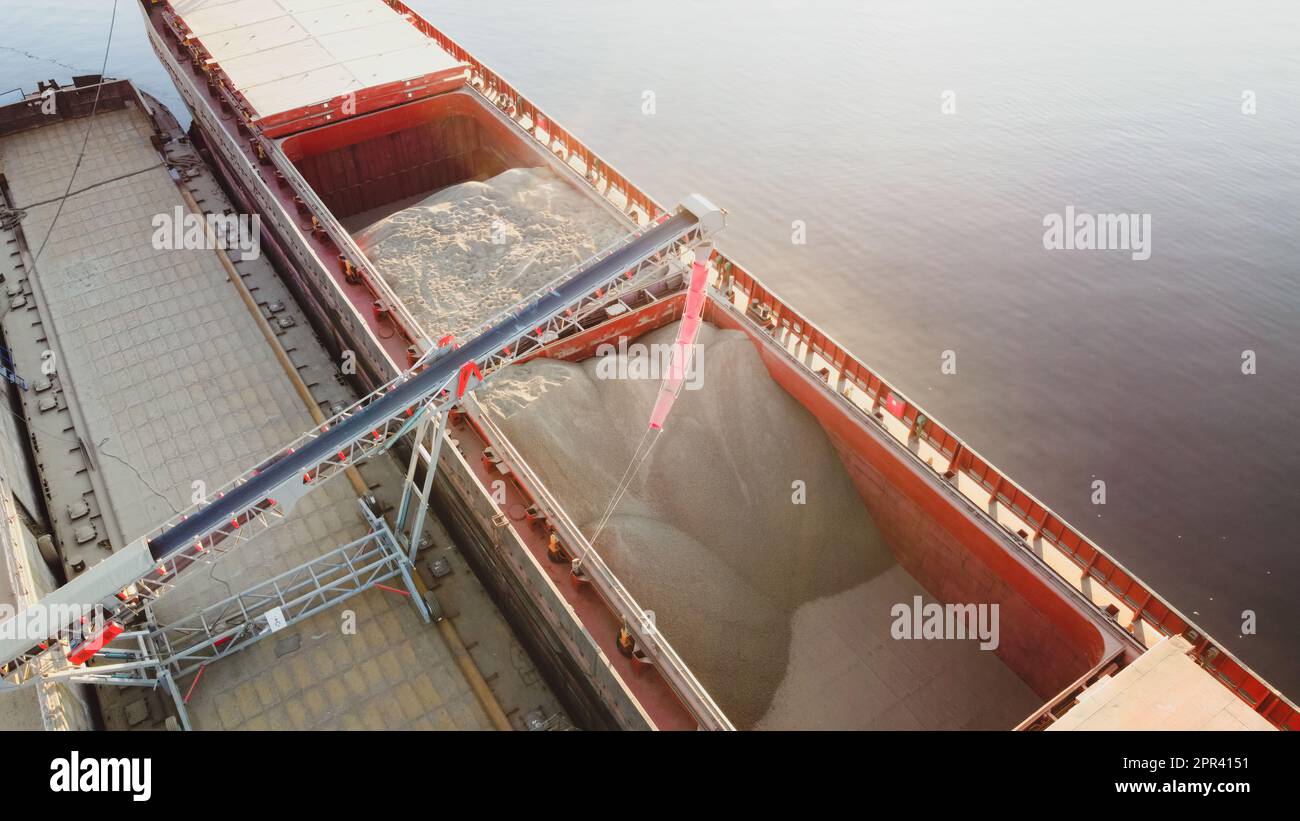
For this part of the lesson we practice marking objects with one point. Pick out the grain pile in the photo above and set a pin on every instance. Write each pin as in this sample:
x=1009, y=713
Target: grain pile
x=846, y=672
x=459, y=257
x=780, y=609
x=708, y=537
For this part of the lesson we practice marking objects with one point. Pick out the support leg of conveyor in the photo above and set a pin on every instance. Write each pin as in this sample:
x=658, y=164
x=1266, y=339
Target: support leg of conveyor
x=416, y=529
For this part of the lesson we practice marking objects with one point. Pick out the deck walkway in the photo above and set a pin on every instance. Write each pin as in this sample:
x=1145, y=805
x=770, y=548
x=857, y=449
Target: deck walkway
x=164, y=379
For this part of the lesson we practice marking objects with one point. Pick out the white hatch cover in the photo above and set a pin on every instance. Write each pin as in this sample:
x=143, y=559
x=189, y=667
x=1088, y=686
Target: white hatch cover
x=284, y=54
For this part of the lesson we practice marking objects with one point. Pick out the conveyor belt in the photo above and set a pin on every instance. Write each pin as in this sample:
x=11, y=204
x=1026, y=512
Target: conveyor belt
x=147, y=564
x=418, y=388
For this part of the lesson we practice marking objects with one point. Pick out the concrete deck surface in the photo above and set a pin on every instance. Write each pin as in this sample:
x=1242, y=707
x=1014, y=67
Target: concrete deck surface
x=164, y=379
x=1162, y=690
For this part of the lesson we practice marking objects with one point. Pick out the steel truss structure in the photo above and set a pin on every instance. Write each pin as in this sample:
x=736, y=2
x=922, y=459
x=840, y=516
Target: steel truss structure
x=124, y=587
x=157, y=655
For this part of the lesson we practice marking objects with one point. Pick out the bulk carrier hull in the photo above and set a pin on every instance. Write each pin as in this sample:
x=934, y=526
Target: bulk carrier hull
x=391, y=128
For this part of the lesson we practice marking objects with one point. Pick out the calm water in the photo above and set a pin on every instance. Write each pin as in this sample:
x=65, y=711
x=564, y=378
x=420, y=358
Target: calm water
x=924, y=230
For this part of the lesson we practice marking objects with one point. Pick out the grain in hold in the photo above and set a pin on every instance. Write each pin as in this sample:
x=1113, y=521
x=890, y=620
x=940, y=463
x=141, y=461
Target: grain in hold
x=470, y=251
x=709, y=536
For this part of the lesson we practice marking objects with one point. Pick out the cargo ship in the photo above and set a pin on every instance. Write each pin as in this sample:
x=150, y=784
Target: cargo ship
x=322, y=116
x=317, y=111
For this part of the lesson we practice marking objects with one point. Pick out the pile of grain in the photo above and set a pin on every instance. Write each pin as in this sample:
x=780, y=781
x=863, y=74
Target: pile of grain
x=472, y=250
x=846, y=672
x=780, y=609
x=709, y=536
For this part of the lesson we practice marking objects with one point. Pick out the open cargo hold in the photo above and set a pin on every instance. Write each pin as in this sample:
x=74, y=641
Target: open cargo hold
x=820, y=656
x=745, y=535
x=367, y=167
x=472, y=250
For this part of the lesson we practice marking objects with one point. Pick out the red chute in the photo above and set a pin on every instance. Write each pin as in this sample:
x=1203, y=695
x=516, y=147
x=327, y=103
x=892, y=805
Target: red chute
x=683, y=346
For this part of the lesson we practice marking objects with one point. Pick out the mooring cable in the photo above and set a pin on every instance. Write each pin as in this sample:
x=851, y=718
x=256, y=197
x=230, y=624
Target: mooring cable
x=90, y=127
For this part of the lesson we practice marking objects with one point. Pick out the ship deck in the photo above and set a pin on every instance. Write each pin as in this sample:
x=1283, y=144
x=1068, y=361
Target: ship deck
x=1162, y=690
x=164, y=379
